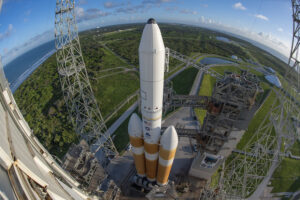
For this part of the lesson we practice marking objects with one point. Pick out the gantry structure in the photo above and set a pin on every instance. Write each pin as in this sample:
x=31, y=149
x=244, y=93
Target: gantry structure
x=82, y=106
x=249, y=170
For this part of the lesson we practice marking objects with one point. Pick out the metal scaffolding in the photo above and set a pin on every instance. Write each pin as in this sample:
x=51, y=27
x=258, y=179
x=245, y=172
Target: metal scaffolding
x=77, y=91
x=191, y=62
x=249, y=171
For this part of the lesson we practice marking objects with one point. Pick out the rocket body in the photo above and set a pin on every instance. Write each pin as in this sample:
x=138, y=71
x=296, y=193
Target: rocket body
x=151, y=60
x=167, y=151
x=153, y=154
x=137, y=142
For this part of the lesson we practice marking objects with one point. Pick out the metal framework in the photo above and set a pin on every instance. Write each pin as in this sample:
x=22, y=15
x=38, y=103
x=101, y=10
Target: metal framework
x=250, y=170
x=77, y=91
x=191, y=62
x=294, y=54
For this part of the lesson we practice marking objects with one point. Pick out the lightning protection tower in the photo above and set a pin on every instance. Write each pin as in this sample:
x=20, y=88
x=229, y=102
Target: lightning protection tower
x=77, y=91
x=249, y=172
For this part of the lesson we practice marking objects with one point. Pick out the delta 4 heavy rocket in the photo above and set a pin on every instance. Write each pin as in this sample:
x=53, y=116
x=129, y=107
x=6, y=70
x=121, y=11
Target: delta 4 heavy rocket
x=153, y=153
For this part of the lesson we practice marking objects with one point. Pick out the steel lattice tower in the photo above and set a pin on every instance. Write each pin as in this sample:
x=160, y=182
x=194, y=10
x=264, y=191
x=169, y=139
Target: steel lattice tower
x=77, y=91
x=247, y=174
x=294, y=57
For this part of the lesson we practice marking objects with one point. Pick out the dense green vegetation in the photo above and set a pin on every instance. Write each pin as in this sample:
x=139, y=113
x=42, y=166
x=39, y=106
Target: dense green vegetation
x=40, y=97
x=114, y=76
x=40, y=100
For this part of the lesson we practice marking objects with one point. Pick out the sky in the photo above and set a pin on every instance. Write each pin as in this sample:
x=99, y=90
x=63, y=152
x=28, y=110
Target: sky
x=25, y=24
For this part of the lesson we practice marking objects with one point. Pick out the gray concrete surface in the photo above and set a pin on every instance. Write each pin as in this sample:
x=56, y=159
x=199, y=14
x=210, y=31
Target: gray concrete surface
x=119, y=167
x=183, y=158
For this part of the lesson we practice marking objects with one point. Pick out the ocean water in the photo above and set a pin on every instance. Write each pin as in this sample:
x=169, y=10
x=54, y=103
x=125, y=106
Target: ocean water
x=20, y=68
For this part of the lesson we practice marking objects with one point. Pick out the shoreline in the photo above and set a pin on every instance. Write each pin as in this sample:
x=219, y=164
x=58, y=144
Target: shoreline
x=16, y=84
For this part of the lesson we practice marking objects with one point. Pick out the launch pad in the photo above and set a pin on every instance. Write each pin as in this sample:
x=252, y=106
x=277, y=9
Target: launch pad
x=202, y=148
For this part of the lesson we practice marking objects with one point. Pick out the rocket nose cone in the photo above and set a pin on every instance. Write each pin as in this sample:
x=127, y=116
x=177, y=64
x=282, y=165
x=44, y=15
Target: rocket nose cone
x=151, y=40
x=169, y=139
x=135, y=126
x=151, y=21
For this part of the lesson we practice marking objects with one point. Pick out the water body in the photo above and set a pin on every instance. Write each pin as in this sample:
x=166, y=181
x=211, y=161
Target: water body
x=212, y=60
x=20, y=68
x=273, y=79
x=223, y=39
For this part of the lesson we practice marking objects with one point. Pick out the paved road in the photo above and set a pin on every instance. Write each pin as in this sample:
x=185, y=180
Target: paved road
x=122, y=118
x=118, y=107
x=184, y=116
x=113, y=128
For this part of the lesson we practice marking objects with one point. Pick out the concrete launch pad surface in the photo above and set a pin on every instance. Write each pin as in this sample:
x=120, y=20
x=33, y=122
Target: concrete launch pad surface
x=184, y=117
x=119, y=167
x=183, y=158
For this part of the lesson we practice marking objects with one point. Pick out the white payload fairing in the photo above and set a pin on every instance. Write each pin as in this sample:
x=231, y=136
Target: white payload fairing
x=152, y=66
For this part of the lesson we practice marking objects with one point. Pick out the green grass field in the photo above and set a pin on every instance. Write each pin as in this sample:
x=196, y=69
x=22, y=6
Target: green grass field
x=183, y=82
x=207, y=85
x=237, y=69
x=121, y=137
x=286, y=177
x=295, y=150
x=112, y=90
x=257, y=120
x=121, y=111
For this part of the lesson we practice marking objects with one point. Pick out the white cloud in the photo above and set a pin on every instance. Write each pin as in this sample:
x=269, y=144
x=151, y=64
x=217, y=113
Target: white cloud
x=89, y=14
x=280, y=29
x=239, y=6
x=110, y=4
x=79, y=11
x=7, y=33
x=28, y=12
x=171, y=9
x=82, y=2
x=186, y=11
x=202, y=19
x=260, y=16
x=269, y=40
x=206, y=21
x=156, y=1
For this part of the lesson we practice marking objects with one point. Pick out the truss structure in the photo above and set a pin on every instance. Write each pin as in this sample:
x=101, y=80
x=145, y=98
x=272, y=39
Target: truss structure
x=249, y=170
x=77, y=91
x=191, y=62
